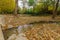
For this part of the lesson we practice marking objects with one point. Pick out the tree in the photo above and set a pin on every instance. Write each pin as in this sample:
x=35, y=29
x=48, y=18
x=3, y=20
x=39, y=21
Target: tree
x=31, y=2
x=16, y=6
x=55, y=9
x=7, y=5
x=24, y=3
x=24, y=6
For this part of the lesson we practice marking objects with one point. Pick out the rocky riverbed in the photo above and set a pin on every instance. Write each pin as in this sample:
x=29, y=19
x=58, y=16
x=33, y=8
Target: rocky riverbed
x=44, y=31
x=13, y=25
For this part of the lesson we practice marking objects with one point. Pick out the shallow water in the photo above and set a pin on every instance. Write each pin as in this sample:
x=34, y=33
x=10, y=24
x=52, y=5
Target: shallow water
x=11, y=31
x=22, y=28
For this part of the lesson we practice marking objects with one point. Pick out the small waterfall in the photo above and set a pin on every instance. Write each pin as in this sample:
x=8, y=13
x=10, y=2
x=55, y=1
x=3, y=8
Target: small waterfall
x=23, y=26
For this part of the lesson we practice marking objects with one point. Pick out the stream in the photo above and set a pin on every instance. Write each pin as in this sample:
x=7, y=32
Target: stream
x=18, y=29
x=22, y=28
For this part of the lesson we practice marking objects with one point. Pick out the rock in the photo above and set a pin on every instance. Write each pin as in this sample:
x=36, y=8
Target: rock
x=21, y=36
x=2, y=20
x=10, y=26
x=26, y=25
x=1, y=34
x=12, y=37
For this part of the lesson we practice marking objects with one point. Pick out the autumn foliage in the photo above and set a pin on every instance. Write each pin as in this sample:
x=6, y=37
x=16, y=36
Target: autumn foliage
x=7, y=5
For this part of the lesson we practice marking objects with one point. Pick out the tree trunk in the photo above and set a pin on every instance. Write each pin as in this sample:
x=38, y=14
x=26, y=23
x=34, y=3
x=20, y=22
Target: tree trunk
x=16, y=6
x=24, y=1
x=55, y=9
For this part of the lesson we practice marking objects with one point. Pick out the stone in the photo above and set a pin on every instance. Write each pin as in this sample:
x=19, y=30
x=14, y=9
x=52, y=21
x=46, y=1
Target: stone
x=1, y=34
x=12, y=37
x=20, y=36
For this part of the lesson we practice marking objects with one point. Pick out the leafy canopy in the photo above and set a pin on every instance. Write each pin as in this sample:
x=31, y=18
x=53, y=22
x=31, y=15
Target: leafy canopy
x=7, y=5
x=31, y=2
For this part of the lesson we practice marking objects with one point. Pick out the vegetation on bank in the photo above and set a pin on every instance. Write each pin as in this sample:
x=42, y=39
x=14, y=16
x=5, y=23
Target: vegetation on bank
x=40, y=8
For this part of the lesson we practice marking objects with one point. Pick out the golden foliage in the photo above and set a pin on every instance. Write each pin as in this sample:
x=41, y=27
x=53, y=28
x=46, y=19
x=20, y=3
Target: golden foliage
x=7, y=5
